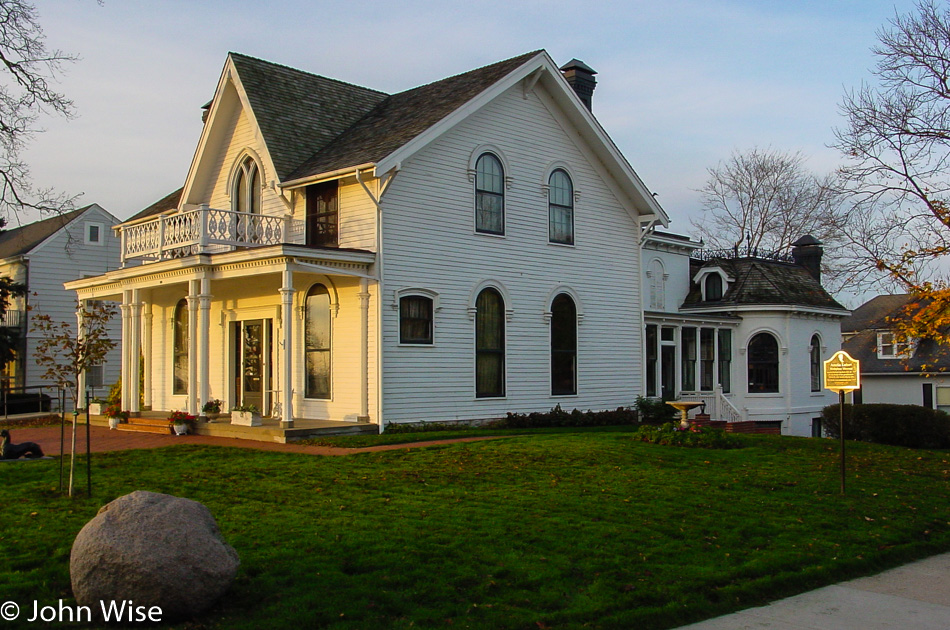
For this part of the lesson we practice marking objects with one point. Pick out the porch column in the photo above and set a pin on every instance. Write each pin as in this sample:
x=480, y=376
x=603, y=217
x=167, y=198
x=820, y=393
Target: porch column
x=204, y=332
x=81, y=377
x=135, y=326
x=286, y=349
x=364, y=350
x=147, y=357
x=126, y=342
x=192, y=347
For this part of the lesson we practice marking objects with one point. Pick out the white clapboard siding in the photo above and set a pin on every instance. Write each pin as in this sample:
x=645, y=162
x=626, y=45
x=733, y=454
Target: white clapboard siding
x=430, y=243
x=63, y=257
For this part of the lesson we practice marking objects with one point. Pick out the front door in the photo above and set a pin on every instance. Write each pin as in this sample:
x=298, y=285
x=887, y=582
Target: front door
x=251, y=368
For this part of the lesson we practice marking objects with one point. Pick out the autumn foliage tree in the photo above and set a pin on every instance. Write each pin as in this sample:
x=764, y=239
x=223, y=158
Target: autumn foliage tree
x=896, y=142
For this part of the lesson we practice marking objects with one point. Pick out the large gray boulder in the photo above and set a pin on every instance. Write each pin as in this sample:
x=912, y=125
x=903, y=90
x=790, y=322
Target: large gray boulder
x=155, y=550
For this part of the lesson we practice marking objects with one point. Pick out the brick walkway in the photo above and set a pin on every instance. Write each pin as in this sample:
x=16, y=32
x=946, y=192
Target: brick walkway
x=102, y=439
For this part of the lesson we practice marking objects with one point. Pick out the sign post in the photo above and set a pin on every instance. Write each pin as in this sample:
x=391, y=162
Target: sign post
x=842, y=374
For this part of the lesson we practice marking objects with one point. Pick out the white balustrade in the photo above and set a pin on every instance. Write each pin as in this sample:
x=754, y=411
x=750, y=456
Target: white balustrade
x=203, y=231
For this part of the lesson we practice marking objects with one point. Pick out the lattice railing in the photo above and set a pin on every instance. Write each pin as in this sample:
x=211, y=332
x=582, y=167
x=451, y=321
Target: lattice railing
x=205, y=230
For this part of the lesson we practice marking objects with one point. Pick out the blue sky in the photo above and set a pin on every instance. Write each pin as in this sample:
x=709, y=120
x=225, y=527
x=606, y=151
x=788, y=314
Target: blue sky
x=682, y=83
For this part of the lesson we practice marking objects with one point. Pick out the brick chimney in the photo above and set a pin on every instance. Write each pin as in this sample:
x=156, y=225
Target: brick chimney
x=807, y=252
x=580, y=76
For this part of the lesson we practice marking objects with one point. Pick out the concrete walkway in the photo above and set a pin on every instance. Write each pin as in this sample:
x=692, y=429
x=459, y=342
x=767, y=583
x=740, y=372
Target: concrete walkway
x=915, y=596
x=103, y=439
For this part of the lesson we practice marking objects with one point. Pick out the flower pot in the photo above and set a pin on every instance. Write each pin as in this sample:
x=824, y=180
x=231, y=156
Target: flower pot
x=95, y=409
x=180, y=429
x=246, y=418
x=211, y=416
x=114, y=422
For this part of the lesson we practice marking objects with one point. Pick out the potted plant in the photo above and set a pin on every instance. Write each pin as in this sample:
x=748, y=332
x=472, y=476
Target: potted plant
x=97, y=407
x=246, y=415
x=180, y=421
x=115, y=414
x=212, y=409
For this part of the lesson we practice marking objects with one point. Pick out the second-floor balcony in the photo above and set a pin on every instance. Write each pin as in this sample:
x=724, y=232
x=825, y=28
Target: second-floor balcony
x=13, y=319
x=205, y=230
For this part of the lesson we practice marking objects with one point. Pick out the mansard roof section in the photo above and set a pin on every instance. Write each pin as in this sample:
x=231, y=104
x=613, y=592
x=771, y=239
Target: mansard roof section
x=762, y=282
x=299, y=113
x=402, y=117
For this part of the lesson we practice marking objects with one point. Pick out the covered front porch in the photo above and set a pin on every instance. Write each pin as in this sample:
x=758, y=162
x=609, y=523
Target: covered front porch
x=289, y=330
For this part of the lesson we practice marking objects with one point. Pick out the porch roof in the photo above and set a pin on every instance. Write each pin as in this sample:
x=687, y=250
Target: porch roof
x=255, y=261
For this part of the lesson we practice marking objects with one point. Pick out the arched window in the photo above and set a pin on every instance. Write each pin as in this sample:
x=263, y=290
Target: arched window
x=563, y=346
x=713, y=287
x=657, y=286
x=560, y=208
x=317, y=342
x=489, y=344
x=815, y=363
x=180, y=349
x=489, y=195
x=763, y=364
x=246, y=196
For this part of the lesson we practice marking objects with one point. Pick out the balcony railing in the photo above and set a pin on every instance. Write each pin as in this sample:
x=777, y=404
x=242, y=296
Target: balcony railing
x=13, y=319
x=205, y=231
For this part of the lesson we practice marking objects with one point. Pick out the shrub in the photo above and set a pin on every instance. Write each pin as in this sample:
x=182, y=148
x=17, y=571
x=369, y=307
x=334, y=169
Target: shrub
x=694, y=437
x=912, y=426
x=655, y=411
x=557, y=417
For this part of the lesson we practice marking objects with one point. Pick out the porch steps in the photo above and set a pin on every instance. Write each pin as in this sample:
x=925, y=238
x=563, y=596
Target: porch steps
x=145, y=425
x=270, y=431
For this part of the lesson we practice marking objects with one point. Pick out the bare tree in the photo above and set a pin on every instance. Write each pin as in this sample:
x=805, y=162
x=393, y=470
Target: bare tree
x=897, y=146
x=766, y=199
x=30, y=68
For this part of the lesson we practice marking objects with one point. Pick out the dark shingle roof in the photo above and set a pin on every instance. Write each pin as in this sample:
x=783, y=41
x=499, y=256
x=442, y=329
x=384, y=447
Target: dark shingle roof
x=871, y=317
x=401, y=117
x=19, y=241
x=764, y=282
x=166, y=203
x=299, y=113
x=873, y=313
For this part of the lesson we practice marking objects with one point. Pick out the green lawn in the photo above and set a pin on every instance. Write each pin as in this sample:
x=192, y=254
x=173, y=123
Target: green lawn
x=560, y=530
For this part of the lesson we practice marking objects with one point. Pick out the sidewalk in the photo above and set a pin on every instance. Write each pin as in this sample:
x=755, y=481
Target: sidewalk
x=103, y=439
x=915, y=596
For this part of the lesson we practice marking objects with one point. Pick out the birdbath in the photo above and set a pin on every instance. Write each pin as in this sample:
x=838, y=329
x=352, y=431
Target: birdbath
x=684, y=406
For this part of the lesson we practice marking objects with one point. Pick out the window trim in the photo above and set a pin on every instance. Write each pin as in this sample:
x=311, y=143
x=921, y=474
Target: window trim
x=564, y=352
x=502, y=193
x=551, y=205
x=778, y=365
x=328, y=350
x=238, y=174
x=899, y=350
x=506, y=316
x=87, y=226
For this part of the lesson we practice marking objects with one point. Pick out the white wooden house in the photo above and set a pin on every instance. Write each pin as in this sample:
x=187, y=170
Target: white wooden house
x=43, y=255
x=744, y=332
x=914, y=372
x=459, y=250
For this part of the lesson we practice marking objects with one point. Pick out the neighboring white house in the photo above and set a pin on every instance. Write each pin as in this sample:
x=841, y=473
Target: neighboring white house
x=891, y=371
x=460, y=250
x=744, y=333
x=43, y=255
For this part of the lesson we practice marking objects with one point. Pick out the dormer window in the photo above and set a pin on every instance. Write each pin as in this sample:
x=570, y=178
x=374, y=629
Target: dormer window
x=888, y=347
x=713, y=288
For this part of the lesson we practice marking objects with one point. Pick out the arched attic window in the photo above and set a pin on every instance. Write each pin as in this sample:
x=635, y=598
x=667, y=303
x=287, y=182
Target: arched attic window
x=489, y=195
x=561, y=208
x=246, y=194
x=713, y=287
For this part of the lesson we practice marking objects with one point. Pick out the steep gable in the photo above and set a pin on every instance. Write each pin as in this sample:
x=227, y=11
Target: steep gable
x=20, y=241
x=299, y=113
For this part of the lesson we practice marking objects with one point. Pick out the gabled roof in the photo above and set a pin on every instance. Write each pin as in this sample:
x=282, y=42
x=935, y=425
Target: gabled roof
x=873, y=314
x=299, y=113
x=399, y=118
x=165, y=204
x=761, y=282
x=20, y=241
x=871, y=317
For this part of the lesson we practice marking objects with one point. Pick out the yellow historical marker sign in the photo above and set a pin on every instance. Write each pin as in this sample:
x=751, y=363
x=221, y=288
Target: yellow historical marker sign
x=842, y=373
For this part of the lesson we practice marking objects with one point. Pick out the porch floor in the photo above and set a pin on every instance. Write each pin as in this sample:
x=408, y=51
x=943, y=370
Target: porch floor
x=269, y=431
